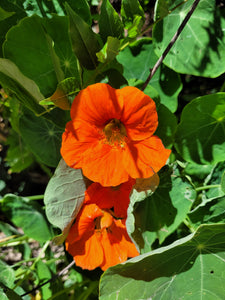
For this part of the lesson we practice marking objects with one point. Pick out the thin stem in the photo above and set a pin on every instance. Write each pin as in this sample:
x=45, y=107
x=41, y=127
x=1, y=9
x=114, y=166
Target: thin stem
x=206, y=187
x=173, y=40
x=41, y=8
x=35, y=197
x=51, y=279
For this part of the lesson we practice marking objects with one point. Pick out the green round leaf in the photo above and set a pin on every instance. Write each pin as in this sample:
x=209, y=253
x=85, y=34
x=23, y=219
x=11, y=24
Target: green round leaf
x=137, y=61
x=28, y=216
x=64, y=196
x=28, y=45
x=190, y=268
x=161, y=213
x=199, y=49
x=42, y=137
x=200, y=136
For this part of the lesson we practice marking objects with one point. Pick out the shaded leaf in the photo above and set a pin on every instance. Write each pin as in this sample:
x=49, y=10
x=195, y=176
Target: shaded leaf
x=8, y=294
x=161, y=213
x=42, y=138
x=200, y=136
x=85, y=43
x=209, y=212
x=18, y=209
x=131, y=9
x=190, y=268
x=64, y=196
x=110, y=23
x=5, y=14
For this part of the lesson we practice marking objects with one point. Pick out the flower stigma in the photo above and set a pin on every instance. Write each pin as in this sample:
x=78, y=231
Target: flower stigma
x=115, y=133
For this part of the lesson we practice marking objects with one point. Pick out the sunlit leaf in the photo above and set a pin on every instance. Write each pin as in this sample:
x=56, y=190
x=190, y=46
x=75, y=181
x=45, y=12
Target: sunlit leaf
x=39, y=58
x=200, y=136
x=109, y=51
x=199, y=49
x=28, y=216
x=137, y=61
x=64, y=196
x=190, y=268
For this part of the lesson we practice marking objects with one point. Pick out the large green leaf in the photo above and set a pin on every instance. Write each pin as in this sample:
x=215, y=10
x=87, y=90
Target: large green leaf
x=64, y=196
x=42, y=138
x=62, y=44
x=200, y=48
x=85, y=42
x=17, y=12
x=161, y=213
x=200, y=136
x=137, y=61
x=110, y=23
x=28, y=216
x=31, y=48
x=27, y=92
x=190, y=268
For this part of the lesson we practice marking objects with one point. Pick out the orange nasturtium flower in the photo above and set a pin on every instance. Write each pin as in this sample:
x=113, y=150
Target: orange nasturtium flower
x=99, y=237
x=110, y=135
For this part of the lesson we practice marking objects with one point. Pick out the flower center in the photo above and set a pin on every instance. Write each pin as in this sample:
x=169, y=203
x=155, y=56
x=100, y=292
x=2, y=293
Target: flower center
x=104, y=221
x=115, y=133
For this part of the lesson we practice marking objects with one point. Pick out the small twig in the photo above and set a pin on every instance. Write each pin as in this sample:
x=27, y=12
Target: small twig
x=173, y=40
x=51, y=279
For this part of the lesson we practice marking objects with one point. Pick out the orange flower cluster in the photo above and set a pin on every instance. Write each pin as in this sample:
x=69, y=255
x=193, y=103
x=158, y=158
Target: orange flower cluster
x=110, y=137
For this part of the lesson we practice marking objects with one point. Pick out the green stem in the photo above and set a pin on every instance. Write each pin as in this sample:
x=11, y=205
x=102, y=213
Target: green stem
x=41, y=8
x=206, y=187
x=15, y=241
x=187, y=223
x=33, y=265
x=35, y=197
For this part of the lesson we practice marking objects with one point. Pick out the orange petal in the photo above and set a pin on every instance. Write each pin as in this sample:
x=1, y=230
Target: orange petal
x=113, y=254
x=139, y=113
x=145, y=158
x=75, y=143
x=102, y=164
x=97, y=104
x=108, y=197
x=84, y=222
x=87, y=253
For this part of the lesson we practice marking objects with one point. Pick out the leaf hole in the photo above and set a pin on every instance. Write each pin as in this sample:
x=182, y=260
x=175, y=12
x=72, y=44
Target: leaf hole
x=212, y=272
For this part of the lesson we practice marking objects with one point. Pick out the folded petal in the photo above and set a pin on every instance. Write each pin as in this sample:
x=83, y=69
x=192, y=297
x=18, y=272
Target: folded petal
x=139, y=113
x=145, y=158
